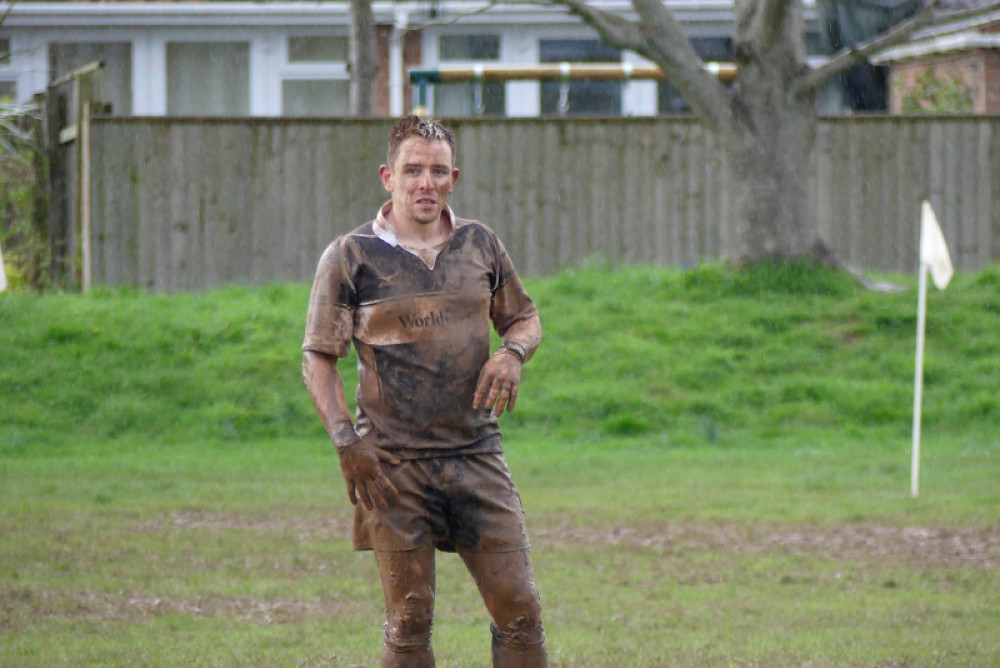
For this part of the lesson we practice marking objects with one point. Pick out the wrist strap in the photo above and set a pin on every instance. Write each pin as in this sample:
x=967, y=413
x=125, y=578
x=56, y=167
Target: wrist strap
x=516, y=348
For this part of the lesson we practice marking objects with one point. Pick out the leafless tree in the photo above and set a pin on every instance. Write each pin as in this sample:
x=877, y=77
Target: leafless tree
x=363, y=59
x=764, y=122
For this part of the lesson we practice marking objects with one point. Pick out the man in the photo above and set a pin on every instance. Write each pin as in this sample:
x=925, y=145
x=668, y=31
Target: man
x=415, y=290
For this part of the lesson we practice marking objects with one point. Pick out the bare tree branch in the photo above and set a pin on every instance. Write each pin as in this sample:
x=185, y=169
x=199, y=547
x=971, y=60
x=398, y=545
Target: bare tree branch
x=669, y=47
x=612, y=28
x=860, y=53
x=6, y=13
x=458, y=17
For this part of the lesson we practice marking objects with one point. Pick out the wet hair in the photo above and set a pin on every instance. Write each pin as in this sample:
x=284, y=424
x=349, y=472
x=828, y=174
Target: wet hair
x=414, y=126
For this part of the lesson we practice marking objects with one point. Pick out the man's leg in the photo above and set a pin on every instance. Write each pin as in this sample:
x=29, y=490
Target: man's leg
x=507, y=584
x=408, y=586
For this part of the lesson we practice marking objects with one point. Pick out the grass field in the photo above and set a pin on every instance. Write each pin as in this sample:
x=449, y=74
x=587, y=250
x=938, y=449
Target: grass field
x=715, y=469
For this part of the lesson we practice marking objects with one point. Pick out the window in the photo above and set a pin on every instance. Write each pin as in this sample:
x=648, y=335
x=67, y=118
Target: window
x=460, y=99
x=322, y=49
x=314, y=80
x=208, y=79
x=711, y=49
x=314, y=97
x=4, y=51
x=585, y=97
x=8, y=91
x=470, y=47
x=115, y=80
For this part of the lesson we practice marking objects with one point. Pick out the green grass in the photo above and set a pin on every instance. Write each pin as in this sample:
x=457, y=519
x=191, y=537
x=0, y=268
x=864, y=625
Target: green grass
x=715, y=468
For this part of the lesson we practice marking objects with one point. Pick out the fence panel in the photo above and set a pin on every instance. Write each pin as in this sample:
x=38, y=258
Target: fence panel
x=182, y=204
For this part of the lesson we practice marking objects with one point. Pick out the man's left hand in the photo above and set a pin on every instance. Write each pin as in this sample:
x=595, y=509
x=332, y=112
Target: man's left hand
x=498, y=383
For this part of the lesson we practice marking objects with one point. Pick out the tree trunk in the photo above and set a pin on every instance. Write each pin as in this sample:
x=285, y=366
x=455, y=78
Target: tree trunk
x=769, y=151
x=363, y=59
x=769, y=140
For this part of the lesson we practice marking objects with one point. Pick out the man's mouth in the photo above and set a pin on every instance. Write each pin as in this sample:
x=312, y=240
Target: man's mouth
x=426, y=201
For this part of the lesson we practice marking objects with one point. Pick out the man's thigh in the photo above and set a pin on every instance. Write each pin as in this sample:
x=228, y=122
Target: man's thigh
x=506, y=582
x=453, y=503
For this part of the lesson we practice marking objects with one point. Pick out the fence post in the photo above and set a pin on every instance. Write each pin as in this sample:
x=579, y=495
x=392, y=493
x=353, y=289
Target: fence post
x=67, y=128
x=40, y=259
x=84, y=90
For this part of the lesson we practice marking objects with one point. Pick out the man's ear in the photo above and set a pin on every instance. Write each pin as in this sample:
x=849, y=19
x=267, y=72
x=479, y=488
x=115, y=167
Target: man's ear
x=385, y=175
x=454, y=177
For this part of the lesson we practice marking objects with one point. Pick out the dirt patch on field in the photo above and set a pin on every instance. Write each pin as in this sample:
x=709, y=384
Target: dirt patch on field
x=22, y=603
x=914, y=547
x=306, y=528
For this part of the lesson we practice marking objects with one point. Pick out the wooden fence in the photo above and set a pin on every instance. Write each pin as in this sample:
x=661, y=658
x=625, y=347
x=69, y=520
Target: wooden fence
x=182, y=204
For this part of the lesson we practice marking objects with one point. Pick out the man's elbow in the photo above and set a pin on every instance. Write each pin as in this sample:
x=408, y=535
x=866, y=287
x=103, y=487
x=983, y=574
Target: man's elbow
x=312, y=363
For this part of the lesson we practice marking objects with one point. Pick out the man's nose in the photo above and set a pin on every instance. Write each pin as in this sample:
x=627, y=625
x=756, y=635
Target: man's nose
x=426, y=182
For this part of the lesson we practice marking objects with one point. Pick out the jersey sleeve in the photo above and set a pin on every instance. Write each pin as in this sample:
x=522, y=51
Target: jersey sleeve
x=510, y=303
x=332, y=301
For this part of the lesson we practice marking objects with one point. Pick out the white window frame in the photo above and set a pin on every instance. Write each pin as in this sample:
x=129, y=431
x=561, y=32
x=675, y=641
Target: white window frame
x=306, y=71
x=471, y=31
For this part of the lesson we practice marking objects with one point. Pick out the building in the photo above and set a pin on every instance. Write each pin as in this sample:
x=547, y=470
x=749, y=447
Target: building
x=953, y=68
x=270, y=58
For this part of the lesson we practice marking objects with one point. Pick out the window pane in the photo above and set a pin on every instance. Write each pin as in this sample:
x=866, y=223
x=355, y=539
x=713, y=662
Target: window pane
x=585, y=97
x=314, y=97
x=470, y=47
x=115, y=79
x=459, y=99
x=4, y=51
x=208, y=79
x=577, y=51
x=713, y=49
x=327, y=49
x=670, y=101
x=8, y=91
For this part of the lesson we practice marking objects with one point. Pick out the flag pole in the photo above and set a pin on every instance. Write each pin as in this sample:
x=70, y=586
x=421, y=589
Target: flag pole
x=3, y=274
x=918, y=382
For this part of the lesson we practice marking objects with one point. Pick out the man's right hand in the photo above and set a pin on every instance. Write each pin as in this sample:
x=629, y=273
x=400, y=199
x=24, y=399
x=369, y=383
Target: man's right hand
x=361, y=464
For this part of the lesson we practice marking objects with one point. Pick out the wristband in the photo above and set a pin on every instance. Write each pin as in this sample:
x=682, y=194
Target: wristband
x=345, y=438
x=515, y=348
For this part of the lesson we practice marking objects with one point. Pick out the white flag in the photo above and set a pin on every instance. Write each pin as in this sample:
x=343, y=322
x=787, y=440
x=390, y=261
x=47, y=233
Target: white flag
x=3, y=274
x=933, y=249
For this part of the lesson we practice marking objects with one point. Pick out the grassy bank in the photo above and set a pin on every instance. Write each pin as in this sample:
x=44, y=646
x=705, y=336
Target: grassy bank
x=715, y=468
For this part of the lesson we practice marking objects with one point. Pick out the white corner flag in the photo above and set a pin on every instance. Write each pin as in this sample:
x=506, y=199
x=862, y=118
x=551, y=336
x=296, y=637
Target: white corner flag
x=3, y=274
x=933, y=249
x=934, y=257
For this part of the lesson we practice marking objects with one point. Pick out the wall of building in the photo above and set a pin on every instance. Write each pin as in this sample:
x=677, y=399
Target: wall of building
x=961, y=74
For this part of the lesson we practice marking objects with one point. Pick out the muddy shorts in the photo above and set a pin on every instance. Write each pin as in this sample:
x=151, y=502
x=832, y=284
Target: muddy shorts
x=467, y=502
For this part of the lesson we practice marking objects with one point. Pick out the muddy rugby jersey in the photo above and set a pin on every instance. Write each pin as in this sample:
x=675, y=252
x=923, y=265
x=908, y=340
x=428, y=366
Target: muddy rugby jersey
x=421, y=327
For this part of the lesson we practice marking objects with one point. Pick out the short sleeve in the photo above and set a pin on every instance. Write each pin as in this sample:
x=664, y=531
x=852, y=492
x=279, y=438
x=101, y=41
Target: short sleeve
x=510, y=303
x=330, y=318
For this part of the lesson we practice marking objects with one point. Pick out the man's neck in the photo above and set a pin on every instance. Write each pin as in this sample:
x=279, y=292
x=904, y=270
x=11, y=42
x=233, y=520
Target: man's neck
x=412, y=234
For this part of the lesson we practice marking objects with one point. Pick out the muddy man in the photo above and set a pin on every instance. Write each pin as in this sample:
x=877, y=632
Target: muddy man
x=416, y=290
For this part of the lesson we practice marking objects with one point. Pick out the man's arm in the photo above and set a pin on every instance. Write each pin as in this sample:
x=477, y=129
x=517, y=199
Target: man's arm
x=360, y=461
x=500, y=379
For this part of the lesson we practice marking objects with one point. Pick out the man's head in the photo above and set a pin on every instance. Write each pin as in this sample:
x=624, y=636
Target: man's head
x=414, y=126
x=420, y=172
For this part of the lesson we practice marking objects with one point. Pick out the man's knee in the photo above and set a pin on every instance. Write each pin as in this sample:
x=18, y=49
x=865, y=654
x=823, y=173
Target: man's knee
x=408, y=623
x=520, y=629
x=518, y=622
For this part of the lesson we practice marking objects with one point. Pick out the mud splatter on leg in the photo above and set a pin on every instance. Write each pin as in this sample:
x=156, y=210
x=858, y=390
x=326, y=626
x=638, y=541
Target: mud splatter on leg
x=408, y=587
x=507, y=585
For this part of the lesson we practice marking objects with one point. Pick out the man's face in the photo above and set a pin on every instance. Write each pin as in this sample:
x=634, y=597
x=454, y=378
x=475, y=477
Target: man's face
x=420, y=180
